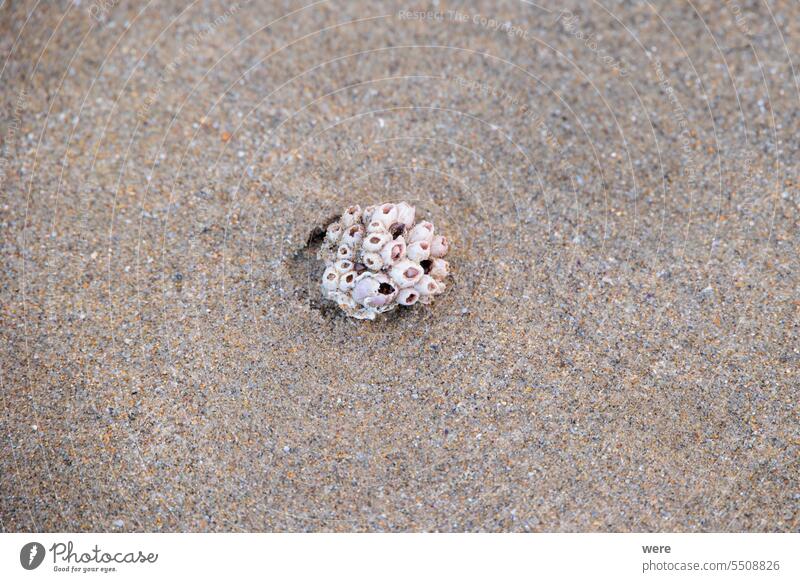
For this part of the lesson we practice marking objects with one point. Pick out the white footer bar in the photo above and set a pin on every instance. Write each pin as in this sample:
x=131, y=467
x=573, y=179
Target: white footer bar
x=381, y=557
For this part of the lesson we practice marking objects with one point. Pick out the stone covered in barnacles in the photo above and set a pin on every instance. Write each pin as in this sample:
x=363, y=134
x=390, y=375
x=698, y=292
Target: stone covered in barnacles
x=380, y=257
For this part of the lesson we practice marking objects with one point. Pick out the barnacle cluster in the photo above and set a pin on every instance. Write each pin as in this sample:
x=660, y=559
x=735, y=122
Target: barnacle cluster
x=378, y=258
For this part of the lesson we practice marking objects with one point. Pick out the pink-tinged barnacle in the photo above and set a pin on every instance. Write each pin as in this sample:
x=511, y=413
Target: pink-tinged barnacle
x=405, y=214
x=406, y=273
x=386, y=214
x=365, y=287
x=381, y=300
x=427, y=285
x=439, y=246
x=439, y=269
x=418, y=251
x=387, y=290
x=393, y=251
x=423, y=231
x=408, y=296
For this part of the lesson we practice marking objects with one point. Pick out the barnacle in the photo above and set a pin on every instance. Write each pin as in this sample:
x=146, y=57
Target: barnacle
x=330, y=281
x=393, y=251
x=373, y=261
x=419, y=251
x=378, y=258
x=375, y=241
x=406, y=273
x=423, y=231
x=408, y=297
x=334, y=232
x=353, y=235
x=345, y=252
x=406, y=214
x=386, y=214
x=439, y=269
x=439, y=246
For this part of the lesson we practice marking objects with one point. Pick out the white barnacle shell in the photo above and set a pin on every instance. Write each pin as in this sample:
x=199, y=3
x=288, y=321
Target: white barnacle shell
x=393, y=251
x=387, y=291
x=344, y=252
x=406, y=273
x=378, y=259
x=366, y=286
x=375, y=291
x=419, y=251
x=376, y=226
x=333, y=232
x=423, y=231
x=405, y=214
x=373, y=261
x=427, y=288
x=343, y=266
x=408, y=296
x=439, y=269
x=427, y=285
x=385, y=214
x=366, y=216
x=347, y=281
x=374, y=241
x=353, y=235
x=330, y=279
x=439, y=246
x=351, y=216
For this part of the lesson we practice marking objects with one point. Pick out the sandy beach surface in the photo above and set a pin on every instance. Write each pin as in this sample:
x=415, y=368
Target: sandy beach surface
x=618, y=349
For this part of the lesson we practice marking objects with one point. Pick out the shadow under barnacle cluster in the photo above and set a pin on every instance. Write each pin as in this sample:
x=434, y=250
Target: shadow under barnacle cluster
x=305, y=270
